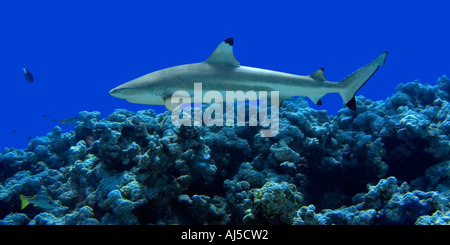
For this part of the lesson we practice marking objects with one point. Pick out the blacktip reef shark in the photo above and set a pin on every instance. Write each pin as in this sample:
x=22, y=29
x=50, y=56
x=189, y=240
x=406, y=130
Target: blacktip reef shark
x=222, y=72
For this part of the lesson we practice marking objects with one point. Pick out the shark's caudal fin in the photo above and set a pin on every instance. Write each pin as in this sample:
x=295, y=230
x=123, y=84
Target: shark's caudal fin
x=352, y=83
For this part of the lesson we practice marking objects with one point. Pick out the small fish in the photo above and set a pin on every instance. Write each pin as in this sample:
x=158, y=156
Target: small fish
x=71, y=120
x=29, y=138
x=28, y=75
x=45, y=115
x=40, y=200
x=13, y=131
x=89, y=140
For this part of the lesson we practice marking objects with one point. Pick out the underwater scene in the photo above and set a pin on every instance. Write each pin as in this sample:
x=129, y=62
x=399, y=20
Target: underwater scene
x=80, y=145
x=385, y=163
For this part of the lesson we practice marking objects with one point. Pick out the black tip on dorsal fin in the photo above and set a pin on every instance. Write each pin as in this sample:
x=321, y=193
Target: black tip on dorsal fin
x=229, y=41
x=351, y=104
x=323, y=69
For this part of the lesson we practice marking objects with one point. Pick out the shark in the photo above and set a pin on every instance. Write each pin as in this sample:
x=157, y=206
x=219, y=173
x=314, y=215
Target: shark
x=222, y=72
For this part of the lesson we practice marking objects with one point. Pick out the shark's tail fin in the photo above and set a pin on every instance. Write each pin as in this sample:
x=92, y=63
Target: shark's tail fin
x=352, y=83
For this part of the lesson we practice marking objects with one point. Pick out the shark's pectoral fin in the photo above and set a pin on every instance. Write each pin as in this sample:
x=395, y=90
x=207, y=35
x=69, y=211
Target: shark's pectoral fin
x=169, y=105
x=177, y=99
x=223, y=54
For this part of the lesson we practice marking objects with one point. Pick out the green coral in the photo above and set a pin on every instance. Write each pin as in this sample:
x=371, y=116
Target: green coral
x=277, y=202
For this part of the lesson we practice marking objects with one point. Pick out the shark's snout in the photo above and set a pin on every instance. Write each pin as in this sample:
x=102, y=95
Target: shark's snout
x=120, y=92
x=124, y=92
x=115, y=92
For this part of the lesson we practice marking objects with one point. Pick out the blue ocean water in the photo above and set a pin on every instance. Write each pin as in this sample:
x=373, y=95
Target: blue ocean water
x=78, y=51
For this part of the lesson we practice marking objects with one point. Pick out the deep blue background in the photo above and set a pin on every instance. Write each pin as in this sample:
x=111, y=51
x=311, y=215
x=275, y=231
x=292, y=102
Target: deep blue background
x=79, y=50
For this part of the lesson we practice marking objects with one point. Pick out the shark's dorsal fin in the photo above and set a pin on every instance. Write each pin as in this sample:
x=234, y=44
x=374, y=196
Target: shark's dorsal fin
x=318, y=75
x=223, y=54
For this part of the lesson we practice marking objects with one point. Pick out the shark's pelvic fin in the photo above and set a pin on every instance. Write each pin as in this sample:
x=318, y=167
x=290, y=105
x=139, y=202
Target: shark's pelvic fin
x=316, y=99
x=223, y=54
x=318, y=75
x=352, y=83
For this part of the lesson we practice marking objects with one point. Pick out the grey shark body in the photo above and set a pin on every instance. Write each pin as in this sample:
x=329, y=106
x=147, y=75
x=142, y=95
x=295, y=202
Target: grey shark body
x=222, y=72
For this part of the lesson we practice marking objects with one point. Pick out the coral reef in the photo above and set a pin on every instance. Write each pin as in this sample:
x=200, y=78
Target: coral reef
x=385, y=163
x=385, y=203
